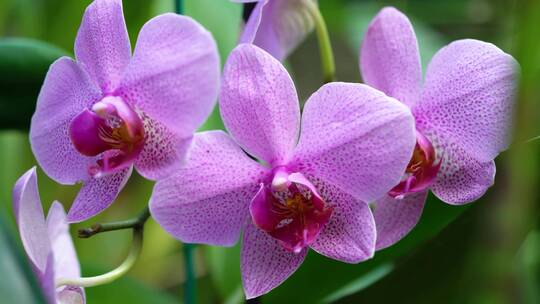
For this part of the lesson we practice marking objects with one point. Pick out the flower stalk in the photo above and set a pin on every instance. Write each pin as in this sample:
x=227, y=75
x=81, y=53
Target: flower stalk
x=325, y=46
x=114, y=274
x=137, y=224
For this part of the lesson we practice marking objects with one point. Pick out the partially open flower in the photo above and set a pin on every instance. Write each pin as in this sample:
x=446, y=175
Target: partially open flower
x=109, y=111
x=47, y=242
x=462, y=111
x=278, y=26
x=306, y=192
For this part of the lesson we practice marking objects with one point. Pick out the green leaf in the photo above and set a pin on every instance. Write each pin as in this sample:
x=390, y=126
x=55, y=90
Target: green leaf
x=323, y=276
x=23, y=66
x=17, y=283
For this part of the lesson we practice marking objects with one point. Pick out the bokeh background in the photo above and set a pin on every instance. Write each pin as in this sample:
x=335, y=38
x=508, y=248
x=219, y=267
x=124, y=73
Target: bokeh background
x=486, y=252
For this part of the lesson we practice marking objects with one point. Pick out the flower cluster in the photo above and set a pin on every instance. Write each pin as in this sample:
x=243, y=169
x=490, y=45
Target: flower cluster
x=345, y=177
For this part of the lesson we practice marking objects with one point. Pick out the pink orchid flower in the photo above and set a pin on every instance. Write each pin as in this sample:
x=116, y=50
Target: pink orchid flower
x=108, y=111
x=308, y=189
x=47, y=243
x=462, y=111
x=278, y=26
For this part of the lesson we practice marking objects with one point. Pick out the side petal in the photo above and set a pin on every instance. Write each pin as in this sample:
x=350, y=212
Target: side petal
x=350, y=234
x=468, y=99
x=65, y=257
x=396, y=218
x=31, y=221
x=66, y=92
x=174, y=73
x=102, y=43
x=279, y=26
x=97, y=194
x=207, y=200
x=254, y=21
x=71, y=295
x=264, y=263
x=163, y=152
x=389, y=57
x=259, y=104
x=462, y=179
x=356, y=138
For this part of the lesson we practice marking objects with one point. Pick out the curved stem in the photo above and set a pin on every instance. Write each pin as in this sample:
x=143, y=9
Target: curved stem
x=136, y=222
x=114, y=274
x=325, y=46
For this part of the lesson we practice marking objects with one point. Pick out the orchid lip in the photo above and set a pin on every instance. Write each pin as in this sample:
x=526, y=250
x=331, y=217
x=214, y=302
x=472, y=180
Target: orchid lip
x=111, y=130
x=290, y=210
x=421, y=171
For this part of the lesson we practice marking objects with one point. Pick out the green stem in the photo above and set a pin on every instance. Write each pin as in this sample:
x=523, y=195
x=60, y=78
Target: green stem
x=114, y=274
x=178, y=6
x=136, y=222
x=190, y=288
x=325, y=46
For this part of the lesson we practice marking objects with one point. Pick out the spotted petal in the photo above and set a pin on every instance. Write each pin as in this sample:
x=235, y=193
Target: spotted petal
x=207, y=200
x=173, y=76
x=259, y=104
x=97, y=194
x=67, y=91
x=356, y=138
x=102, y=44
x=264, y=262
x=389, y=58
x=350, y=234
x=395, y=218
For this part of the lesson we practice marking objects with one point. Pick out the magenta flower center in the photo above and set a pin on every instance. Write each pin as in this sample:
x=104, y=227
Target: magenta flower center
x=111, y=130
x=291, y=212
x=421, y=171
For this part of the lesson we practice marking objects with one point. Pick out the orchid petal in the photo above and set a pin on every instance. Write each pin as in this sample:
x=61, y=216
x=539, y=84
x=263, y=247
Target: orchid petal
x=350, y=234
x=97, y=194
x=63, y=249
x=67, y=91
x=395, y=218
x=102, y=43
x=459, y=113
x=173, y=76
x=207, y=200
x=259, y=105
x=462, y=179
x=163, y=152
x=71, y=295
x=252, y=25
x=389, y=59
x=30, y=220
x=355, y=138
x=264, y=262
x=279, y=26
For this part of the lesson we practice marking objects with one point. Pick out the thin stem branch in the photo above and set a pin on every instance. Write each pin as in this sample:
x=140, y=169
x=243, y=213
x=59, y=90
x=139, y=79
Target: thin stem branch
x=325, y=46
x=114, y=274
x=136, y=222
x=190, y=290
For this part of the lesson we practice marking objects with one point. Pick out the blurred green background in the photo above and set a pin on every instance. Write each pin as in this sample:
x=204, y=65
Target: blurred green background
x=487, y=252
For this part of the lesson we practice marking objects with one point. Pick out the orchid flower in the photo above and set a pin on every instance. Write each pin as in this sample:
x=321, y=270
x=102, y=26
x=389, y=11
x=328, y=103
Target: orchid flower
x=462, y=111
x=306, y=190
x=278, y=26
x=47, y=243
x=108, y=111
